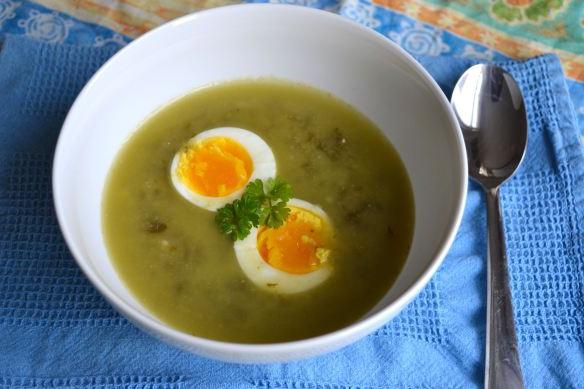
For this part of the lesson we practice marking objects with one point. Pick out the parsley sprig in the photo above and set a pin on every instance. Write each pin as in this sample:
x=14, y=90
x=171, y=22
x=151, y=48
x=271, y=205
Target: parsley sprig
x=261, y=204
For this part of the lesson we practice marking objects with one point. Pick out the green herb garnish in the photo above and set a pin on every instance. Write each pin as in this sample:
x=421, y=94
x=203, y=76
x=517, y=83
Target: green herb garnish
x=236, y=219
x=261, y=204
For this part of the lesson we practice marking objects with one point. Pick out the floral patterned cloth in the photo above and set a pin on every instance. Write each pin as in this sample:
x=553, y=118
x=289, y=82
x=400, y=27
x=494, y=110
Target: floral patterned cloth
x=477, y=29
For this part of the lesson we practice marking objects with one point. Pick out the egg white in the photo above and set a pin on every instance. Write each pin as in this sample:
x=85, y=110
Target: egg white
x=264, y=165
x=274, y=280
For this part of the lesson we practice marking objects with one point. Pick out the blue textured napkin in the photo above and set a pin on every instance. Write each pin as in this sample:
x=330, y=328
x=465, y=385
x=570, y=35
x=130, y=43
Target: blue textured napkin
x=56, y=330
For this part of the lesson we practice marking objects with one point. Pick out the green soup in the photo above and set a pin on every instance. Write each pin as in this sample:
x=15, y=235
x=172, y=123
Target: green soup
x=178, y=264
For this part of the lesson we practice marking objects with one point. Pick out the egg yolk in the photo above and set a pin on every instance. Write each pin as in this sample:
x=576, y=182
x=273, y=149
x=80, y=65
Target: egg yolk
x=215, y=167
x=297, y=247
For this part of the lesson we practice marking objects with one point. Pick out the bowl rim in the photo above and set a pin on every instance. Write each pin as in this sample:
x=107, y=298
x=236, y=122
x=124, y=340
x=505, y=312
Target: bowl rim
x=352, y=331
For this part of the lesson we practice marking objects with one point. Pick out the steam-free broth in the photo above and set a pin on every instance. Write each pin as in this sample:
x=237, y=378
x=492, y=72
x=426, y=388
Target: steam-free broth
x=173, y=257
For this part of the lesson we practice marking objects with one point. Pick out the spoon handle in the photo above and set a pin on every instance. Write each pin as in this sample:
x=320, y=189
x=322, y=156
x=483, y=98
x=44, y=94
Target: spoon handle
x=502, y=368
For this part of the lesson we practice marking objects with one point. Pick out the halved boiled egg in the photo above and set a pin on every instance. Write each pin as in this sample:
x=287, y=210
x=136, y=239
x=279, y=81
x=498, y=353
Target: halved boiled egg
x=292, y=258
x=213, y=168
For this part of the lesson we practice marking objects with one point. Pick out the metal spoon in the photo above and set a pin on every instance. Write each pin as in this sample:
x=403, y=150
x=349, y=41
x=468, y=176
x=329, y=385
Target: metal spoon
x=491, y=113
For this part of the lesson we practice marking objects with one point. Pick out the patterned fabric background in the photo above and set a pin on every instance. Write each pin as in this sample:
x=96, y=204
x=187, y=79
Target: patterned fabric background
x=480, y=29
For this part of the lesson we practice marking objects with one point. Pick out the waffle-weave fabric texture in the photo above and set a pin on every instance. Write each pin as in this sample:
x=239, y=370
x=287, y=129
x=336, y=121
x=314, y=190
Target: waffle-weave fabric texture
x=57, y=331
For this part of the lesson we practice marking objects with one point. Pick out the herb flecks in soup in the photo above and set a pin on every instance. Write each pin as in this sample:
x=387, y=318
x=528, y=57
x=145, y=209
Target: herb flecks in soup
x=336, y=253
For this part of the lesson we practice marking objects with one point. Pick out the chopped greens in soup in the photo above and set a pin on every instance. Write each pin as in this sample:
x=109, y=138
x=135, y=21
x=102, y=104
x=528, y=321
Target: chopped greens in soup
x=258, y=211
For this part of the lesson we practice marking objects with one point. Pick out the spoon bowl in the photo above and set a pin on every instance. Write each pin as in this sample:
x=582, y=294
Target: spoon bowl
x=490, y=109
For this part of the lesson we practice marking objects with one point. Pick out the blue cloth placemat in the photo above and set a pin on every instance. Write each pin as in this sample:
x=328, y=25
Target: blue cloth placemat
x=57, y=331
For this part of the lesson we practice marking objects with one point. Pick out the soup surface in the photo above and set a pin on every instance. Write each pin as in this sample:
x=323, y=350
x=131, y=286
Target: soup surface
x=174, y=258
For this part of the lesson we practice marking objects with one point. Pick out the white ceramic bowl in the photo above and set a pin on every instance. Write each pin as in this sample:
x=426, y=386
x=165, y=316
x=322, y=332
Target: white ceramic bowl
x=313, y=47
